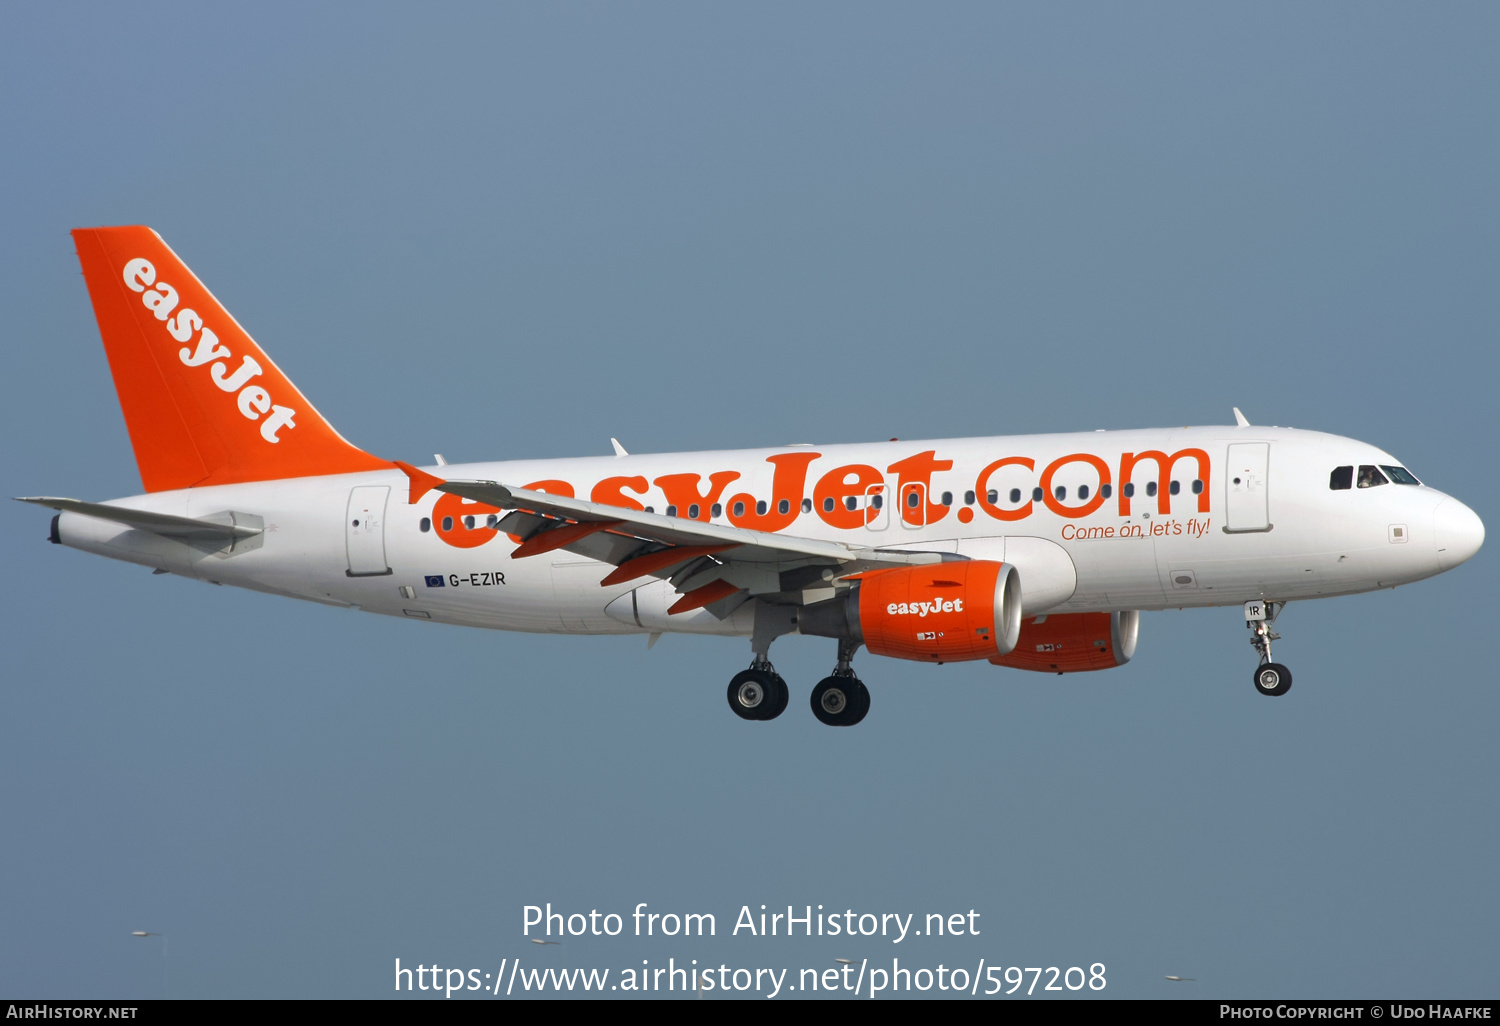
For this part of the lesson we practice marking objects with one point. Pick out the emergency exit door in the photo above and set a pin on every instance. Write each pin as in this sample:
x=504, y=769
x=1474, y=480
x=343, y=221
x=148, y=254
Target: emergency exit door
x=364, y=531
x=1245, y=479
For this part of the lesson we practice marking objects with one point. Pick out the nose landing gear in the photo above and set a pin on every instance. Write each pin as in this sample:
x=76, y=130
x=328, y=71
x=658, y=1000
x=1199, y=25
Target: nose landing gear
x=1271, y=678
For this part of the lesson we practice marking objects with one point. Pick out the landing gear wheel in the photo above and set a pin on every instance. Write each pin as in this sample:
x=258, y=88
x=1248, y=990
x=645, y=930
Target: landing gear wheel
x=862, y=701
x=840, y=701
x=757, y=695
x=783, y=697
x=1273, y=679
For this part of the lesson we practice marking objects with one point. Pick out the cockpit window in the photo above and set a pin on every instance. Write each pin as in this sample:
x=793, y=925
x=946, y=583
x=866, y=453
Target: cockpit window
x=1400, y=475
x=1341, y=478
x=1371, y=477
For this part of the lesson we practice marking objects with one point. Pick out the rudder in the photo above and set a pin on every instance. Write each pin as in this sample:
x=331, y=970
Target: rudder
x=203, y=403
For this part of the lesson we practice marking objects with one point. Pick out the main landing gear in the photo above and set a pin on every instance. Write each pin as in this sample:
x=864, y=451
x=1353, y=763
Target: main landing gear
x=839, y=700
x=758, y=693
x=1272, y=679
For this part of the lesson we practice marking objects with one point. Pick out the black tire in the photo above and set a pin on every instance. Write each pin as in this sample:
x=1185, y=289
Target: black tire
x=753, y=695
x=782, y=696
x=1273, y=679
x=840, y=701
x=862, y=701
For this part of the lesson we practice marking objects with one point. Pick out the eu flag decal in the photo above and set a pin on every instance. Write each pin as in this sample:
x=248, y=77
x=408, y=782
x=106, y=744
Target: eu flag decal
x=436, y=581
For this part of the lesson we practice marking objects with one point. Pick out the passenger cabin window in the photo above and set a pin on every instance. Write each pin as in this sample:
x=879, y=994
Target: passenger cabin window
x=693, y=511
x=1371, y=477
x=1036, y=495
x=425, y=525
x=1341, y=479
x=739, y=509
x=1150, y=487
x=807, y=505
x=1105, y=490
x=1400, y=475
x=1015, y=495
x=1083, y=491
x=968, y=498
x=993, y=495
x=671, y=511
x=717, y=509
x=1061, y=492
x=760, y=508
x=784, y=507
x=1129, y=489
x=1197, y=487
x=1175, y=487
x=947, y=498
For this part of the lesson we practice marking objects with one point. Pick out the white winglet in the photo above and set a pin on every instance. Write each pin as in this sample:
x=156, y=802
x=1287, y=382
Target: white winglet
x=619, y=449
x=1239, y=418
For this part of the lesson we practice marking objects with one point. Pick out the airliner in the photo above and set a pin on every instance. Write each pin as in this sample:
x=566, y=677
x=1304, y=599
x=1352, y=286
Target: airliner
x=1033, y=552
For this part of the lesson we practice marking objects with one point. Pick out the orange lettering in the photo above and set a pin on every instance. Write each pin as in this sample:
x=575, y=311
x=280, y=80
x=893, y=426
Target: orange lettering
x=982, y=489
x=608, y=491
x=915, y=470
x=835, y=487
x=551, y=487
x=786, y=490
x=1074, y=512
x=1164, y=464
x=681, y=491
x=449, y=521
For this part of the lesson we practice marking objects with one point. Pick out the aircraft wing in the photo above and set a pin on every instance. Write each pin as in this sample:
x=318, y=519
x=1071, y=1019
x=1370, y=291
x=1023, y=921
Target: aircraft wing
x=708, y=563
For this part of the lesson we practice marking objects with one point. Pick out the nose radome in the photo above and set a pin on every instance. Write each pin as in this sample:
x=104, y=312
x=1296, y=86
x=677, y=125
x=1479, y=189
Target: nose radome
x=1458, y=532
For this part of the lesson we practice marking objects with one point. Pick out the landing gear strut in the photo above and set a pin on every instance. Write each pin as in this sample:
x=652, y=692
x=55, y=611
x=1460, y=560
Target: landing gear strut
x=1271, y=678
x=840, y=699
x=758, y=693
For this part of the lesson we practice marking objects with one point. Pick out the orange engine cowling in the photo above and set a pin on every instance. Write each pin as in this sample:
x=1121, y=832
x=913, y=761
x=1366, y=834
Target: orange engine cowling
x=1074, y=642
x=942, y=612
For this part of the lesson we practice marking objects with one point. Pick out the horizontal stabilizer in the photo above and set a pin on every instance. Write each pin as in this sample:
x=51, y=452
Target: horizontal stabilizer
x=223, y=530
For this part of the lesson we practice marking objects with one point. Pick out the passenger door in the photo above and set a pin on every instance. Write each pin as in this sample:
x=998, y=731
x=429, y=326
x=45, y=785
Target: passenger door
x=1246, y=473
x=364, y=531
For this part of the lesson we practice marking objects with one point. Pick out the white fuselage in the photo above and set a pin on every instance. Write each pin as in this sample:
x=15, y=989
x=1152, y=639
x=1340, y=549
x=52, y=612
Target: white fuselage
x=1263, y=523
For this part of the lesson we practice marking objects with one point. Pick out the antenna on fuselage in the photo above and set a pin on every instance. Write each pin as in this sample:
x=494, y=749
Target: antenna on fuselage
x=619, y=449
x=1239, y=418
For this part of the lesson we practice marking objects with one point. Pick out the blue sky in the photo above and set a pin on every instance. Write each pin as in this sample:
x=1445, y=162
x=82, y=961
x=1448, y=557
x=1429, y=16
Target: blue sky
x=500, y=231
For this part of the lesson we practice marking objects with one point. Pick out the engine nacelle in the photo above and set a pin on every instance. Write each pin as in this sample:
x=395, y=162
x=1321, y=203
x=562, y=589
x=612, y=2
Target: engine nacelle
x=1074, y=642
x=941, y=612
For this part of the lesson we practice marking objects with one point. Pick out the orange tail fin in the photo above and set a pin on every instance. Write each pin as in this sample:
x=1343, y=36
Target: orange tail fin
x=203, y=404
